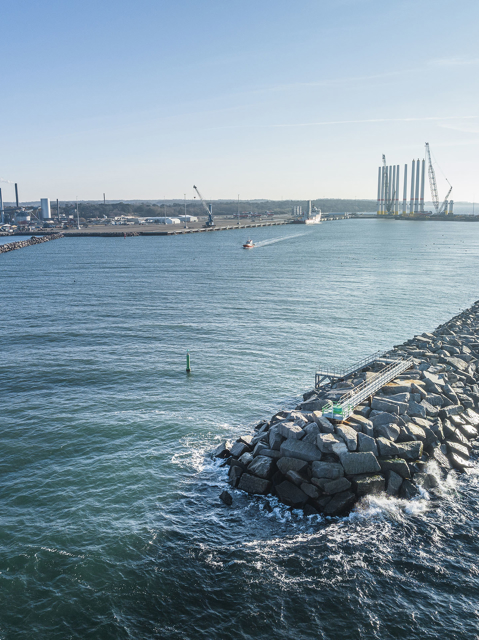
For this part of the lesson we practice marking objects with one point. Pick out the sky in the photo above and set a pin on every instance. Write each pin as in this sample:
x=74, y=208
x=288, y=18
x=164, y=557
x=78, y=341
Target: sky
x=262, y=99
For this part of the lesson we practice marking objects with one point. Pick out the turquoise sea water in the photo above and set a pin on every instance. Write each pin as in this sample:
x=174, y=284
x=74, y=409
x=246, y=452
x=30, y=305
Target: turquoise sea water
x=111, y=525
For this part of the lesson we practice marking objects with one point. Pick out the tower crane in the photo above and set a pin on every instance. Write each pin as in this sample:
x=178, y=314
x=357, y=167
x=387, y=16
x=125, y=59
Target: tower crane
x=210, y=222
x=433, y=185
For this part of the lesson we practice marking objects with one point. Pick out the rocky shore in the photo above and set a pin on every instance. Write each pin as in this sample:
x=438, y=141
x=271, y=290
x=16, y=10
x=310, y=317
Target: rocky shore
x=12, y=246
x=420, y=427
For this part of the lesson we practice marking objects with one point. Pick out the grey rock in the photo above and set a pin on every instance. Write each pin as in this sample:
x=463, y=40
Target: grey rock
x=367, y=484
x=311, y=429
x=340, y=503
x=290, y=430
x=326, y=441
x=434, y=399
x=455, y=447
x=457, y=363
x=302, y=450
x=384, y=404
x=398, y=465
x=468, y=431
x=246, y=439
x=246, y=458
x=400, y=397
x=387, y=447
x=271, y=453
x=408, y=490
x=458, y=462
x=290, y=494
x=310, y=490
x=416, y=410
x=394, y=482
x=385, y=418
x=336, y=486
x=418, y=388
x=324, y=425
x=472, y=417
x=259, y=447
x=312, y=405
x=275, y=438
x=329, y=470
x=431, y=411
x=294, y=464
x=223, y=450
x=310, y=437
x=226, y=498
x=388, y=431
x=421, y=422
x=349, y=436
x=253, y=484
x=320, y=482
x=363, y=410
x=410, y=450
x=234, y=474
x=360, y=462
x=239, y=448
x=453, y=410
x=415, y=432
x=262, y=466
x=366, y=443
x=295, y=477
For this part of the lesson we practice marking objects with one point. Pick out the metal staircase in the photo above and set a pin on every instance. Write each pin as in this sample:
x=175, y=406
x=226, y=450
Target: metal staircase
x=342, y=409
x=337, y=374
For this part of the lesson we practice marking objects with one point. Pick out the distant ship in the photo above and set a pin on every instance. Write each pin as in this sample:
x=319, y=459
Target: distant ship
x=310, y=218
x=249, y=244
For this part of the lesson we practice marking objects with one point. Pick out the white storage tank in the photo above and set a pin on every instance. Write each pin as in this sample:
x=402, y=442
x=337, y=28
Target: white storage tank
x=46, y=213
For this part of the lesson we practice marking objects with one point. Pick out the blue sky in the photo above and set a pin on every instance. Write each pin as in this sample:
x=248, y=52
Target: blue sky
x=266, y=99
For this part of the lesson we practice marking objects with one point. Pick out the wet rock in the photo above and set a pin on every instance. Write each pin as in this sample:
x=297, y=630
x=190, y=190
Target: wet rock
x=408, y=490
x=253, y=484
x=426, y=480
x=239, y=448
x=234, y=474
x=310, y=511
x=291, y=495
x=387, y=447
x=223, y=450
x=340, y=503
x=459, y=462
x=336, y=486
x=368, y=484
x=366, y=443
x=226, y=498
x=440, y=458
x=302, y=450
x=262, y=466
x=330, y=470
x=455, y=435
x=349, y=436
x=360, y=462
x=291, y=464
x=310, y=490
x=410, y=450
x=455, y=447
x=389, y=431
x=394, y=482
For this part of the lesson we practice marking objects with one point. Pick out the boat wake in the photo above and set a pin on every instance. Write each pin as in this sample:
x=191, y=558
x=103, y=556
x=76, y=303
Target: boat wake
x=265, y=243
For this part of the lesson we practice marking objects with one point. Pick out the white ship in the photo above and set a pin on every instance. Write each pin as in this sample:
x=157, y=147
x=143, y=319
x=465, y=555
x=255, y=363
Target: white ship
x=310, y=218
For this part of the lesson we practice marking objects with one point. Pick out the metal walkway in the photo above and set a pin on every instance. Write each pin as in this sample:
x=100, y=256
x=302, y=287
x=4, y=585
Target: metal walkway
x=349, y=401
x=335, y=374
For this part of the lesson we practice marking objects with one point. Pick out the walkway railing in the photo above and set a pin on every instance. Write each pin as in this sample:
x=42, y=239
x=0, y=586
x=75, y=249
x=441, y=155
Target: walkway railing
x=335, y=373
x=342, y=409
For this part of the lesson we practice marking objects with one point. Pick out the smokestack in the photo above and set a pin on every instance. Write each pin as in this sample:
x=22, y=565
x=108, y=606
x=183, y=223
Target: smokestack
x=58, y=210
x=416, y=199
x=398, y=180
x=404, y=201
x=16, y=194
x=2, y=215
x=393, y=188
x=411, y=205
x=379, y=191
x=309, y=209
x=390, y=187
x=382, y=190
x=423, y=173
x=451, y=207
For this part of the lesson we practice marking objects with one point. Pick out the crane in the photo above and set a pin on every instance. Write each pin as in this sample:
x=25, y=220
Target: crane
x=388, y=197
x=433, y=184
x=210, y=222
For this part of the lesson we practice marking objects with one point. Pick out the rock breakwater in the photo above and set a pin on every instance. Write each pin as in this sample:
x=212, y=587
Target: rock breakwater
x=20, y=244
x=421, y=426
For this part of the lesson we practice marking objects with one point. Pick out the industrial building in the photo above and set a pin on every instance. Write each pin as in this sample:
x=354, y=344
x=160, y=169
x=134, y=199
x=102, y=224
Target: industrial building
x=389, y=182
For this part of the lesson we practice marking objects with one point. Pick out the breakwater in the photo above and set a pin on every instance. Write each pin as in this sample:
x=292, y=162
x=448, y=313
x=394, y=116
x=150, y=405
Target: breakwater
x=20, y=244
x=416, y=430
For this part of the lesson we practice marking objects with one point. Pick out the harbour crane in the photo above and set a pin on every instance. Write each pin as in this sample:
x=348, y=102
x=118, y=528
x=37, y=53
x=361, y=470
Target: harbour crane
x=388, y=197
x=432, y=182
x=210, y=221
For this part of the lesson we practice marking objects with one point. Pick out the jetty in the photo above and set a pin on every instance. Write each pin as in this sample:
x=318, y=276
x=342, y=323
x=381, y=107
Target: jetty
x=396, y=424
x=21, y=244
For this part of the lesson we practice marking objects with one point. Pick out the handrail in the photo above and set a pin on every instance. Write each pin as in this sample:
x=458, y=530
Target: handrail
x=343, y=373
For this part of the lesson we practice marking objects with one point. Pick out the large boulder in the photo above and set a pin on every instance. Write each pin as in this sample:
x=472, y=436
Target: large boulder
x=389, y=431
x=416, y=410
x=310, y=490
x=356, y=463
x=387, y=447
x=385, y=404
x=398, y=465
x=290, y=430
x=262, y=466
x=442, y=460
x=415, y=432
x=326, y=441
x=234, y=474
x=452, y=410
x=253, y=484
x=410, y=450
x=223, y=450
x=431, y=411
x=291, y=495
x=459, y=462
x=408, y=490
x=275, y=438
x=394, y=482
x=367, y=484
x=366, y=443
x=330, y=470
x=455, y=447
x=336, y=486
x=302, y=450
x=349, y=435
x=295, y=477
x=324, y=425
x=383, y=417
x=365, y=424
x=239, y=448
x=291, y=464
x=340, y=503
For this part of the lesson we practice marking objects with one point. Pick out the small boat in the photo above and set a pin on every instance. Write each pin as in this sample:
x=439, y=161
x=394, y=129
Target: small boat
x=249, y=244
